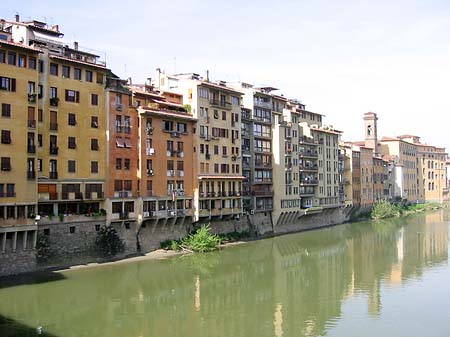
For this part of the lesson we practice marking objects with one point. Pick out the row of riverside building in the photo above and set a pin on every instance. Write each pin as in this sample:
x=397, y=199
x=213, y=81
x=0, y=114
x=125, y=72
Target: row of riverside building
x=79, y=143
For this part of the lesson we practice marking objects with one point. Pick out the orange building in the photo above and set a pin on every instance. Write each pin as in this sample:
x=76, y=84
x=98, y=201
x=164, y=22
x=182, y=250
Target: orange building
x=167, y=157
x=123, y=152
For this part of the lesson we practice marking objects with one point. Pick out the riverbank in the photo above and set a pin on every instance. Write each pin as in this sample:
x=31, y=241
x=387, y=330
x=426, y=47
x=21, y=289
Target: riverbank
x=311, y=223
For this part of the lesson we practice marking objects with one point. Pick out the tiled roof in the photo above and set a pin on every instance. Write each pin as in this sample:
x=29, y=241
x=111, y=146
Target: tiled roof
x=19, y=45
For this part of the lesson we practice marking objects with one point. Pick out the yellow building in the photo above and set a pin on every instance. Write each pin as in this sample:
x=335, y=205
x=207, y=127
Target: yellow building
x=217, y=108
x=64, y=126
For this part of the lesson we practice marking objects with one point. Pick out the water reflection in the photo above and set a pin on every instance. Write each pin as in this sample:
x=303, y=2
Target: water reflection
x=293, y=285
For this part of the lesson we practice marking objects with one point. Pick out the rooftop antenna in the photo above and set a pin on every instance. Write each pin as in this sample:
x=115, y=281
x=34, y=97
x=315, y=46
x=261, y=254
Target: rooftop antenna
x=159, y=77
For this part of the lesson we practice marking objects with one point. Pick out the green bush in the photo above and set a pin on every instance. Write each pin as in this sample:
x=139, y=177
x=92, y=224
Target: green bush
x=108, y=243
x=201, y=241
x=384, y=209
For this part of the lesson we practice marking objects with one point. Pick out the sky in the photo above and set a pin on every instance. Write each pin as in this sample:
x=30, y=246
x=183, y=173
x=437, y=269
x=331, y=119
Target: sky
x=340, y=58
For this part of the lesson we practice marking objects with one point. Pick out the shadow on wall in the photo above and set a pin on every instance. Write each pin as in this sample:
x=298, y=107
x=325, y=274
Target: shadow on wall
x=12, y=328
x=32, y=278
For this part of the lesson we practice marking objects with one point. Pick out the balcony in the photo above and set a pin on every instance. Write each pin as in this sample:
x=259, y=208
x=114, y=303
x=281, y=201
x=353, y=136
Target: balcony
x=123, y=215
x=262, y=104
x=263, y=181
x=307, y=154
x=53, y=126
x=94, y=195
x=308, y=181
x=54, y=150
x=312, y=167
x=32, y=98
x=307, y=140
x=149, y=151
x=305, y=191
x=180, y=154
x=220, y=104
x=119, y=106
x=54, y=101
x=7, y=194
x=31, y=175
x=72, y=196
x=31, y=148
x=32, y=124
x=262, y=193
x=53, y=175
x=48, y=196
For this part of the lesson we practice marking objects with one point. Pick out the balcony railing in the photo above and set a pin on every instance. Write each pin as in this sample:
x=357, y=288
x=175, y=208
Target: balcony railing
x=94, y=195
x=54, y=126
x=307, y=181
x=220, y=103
x=54, y=101
x=7, y=194
x=311, y=154
x=307, y=140
x=32, y=124
x=313, y=167
x=31, y=175
x=53, y=175
x=31, y=148
x=54, y=150
x=262, y=104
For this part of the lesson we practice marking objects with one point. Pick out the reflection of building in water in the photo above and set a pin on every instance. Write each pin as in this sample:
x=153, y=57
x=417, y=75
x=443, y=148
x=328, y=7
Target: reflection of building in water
x=286, y=286
x=312, y=275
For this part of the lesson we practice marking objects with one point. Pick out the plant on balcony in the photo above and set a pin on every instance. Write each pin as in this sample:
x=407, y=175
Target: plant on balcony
x=108, y=243
x=61, y=217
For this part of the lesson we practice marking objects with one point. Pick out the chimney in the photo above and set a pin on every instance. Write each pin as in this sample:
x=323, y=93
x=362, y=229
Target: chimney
x=75, y=45
x=17, y=17
x=207, y=75
x=55, y=28
x=129, y=81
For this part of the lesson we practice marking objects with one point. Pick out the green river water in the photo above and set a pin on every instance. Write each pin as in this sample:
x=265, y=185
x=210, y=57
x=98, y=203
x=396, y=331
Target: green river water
x=388, y=278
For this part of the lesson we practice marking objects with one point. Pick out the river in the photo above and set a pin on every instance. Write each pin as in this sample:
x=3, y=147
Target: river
x=388, y=278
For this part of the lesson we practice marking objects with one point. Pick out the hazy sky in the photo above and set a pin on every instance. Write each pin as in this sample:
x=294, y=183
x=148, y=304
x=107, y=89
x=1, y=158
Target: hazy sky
x=341, y=58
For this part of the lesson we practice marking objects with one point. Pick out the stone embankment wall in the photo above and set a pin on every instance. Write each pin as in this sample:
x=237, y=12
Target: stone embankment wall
x=72, y=242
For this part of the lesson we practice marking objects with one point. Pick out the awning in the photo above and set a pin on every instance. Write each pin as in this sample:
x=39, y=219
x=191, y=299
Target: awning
x=119, y=142
x=127, y=142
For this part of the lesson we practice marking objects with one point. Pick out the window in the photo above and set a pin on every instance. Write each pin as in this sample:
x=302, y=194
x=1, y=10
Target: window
x=53, y=69
x=94, y=122
x=88, y=74
x=224, y=150
x=53, y=92
x=6, y=164
x=182, y=127
x=41, y=66
x=40, y=90
x=40, y=140
x=6, y=110
x=94, y=166
x=66, y=72
x=12, y=58
x=71, y=166
x=234, y=100
x=6, y=137
x=72, y=229
x=118, y=163
x=32, y=63
x=72, y=119
x=8, y=84
x=71, y=143
x=94, y=99
x=168, y=125
x=77, y=74
x=22, y=61
x=39, y=165
x=203, y=93
x=72, y=96
x=94, y=144
x=126, y=164
x=224, y=115
x=2, y=56
x=100, y=78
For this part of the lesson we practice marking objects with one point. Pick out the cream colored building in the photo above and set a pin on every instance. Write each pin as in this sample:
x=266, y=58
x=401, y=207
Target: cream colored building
x=217, y=107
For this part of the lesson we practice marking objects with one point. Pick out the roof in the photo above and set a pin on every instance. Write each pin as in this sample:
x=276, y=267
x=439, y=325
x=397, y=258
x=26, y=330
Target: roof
x=221, y=87
x=165, y=113
x=389, y=139
x=95, y=65
x=19, y=45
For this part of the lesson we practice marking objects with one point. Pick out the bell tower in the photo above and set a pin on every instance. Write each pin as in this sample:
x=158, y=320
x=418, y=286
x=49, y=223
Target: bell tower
x=370, y=131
